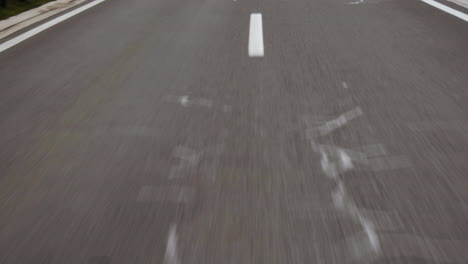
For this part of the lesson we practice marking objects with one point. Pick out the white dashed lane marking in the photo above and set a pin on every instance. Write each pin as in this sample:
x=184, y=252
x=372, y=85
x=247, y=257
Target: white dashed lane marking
x=256, y=36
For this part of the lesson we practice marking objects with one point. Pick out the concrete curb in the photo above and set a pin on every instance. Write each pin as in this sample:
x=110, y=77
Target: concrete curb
x=18, y=22
x=463, y=3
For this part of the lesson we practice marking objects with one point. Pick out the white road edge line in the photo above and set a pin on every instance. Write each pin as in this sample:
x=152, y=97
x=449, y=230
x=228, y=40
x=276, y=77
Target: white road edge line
x=447, y=9
x=39, y=29
x=256, y=36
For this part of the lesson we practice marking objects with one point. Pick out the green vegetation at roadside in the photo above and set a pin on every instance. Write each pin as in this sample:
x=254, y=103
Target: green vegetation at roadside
x=14, y=7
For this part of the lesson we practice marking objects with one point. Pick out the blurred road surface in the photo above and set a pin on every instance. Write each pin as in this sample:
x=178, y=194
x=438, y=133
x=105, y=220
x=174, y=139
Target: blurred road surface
x=142, y=132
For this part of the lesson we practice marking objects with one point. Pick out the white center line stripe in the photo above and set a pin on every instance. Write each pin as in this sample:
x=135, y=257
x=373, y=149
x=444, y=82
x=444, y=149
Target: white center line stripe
x=39, y=29
x=447, y=9
x=256, y=36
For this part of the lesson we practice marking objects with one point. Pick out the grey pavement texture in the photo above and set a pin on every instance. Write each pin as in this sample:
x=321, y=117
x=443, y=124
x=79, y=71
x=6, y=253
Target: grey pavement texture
x=141, y=132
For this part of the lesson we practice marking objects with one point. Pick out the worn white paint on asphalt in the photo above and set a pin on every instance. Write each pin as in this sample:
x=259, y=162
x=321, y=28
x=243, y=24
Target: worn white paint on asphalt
x=189, y=158
x=340, y=121
x=356, y=2
x=256, y=36
x=341, y=200
x=335, y=161
x=447, y=9
x=187, y=101
x=357, y=156
x=39, y=29
x=370, y=231
x=184, y=100
x=345, y=160
x=171, y=256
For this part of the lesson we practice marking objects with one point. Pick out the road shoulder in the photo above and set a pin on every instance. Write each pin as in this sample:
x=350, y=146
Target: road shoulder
x=33, y=16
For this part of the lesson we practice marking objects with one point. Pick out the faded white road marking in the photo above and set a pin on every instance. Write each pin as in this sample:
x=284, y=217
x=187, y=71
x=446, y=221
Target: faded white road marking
x=178, y=194
x=256, y=36
x=370, y=231
x=171, y=256
x=338, y=196
x=311, y=121
x=335, y=161
x=191, y=161
x=370, y=157
x=447, y=9
x=327, y=167
x=188, y=155
x=189, y=158
x=339, y=122
x=353, y=155
x=333, y=168
x=342, y=202
x=345, y=85
x=345, y=160
x=39, y=29
x=188, y=101
x=356, y=2
x=184, y=100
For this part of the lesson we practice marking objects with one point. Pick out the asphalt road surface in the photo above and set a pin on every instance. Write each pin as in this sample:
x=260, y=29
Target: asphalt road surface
x=142, y=132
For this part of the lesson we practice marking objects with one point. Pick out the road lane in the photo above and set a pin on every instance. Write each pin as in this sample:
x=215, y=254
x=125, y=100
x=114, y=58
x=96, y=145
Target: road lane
x=153, y=137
